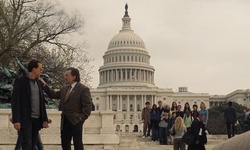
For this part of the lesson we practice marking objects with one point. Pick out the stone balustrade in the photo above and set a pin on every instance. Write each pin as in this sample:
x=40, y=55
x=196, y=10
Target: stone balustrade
x=98, y=130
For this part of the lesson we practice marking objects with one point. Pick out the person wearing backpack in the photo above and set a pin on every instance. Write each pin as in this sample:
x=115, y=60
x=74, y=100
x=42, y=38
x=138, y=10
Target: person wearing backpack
x=230, y=119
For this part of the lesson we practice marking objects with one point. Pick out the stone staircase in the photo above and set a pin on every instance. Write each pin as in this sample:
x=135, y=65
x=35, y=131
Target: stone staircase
x=132, y=141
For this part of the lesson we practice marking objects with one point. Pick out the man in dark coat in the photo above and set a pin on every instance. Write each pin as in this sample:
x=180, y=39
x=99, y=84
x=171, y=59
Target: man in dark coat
x=198, y=131
x=28, y=106
x=230, y=118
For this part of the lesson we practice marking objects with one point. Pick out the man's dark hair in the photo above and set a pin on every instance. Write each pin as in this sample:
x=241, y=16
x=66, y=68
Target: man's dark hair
x=173, y=112
x=230, y=103
x=147, y=103
x=195, y=105
x=75, y=72
x=33, y=64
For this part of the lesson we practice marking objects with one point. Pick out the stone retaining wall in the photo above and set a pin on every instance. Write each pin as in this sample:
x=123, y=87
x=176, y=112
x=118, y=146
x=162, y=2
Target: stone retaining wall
x=98, y=131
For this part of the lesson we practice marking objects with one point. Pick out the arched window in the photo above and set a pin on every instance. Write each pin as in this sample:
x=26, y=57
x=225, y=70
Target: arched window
x=127, y=128
x=117, y=128
x=135, y=128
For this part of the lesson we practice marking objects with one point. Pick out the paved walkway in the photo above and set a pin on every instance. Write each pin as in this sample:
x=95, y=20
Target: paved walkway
x=132, y=141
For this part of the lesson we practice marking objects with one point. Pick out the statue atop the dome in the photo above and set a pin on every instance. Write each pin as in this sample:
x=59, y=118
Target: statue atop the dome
x=126, y=7
x=126, y=10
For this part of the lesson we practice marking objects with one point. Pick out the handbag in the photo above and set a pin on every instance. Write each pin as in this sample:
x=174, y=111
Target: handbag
x=188, y=138
x=172, y=131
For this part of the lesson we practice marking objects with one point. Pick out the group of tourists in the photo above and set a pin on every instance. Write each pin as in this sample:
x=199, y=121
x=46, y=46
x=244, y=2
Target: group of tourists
x=170, y=125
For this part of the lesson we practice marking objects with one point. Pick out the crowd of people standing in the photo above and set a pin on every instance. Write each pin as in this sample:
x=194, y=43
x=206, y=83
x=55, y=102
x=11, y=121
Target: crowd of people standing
x=166, y=125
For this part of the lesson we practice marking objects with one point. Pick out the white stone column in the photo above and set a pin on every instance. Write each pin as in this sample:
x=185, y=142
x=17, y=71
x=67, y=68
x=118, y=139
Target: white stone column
x=103, y=72
x=144, y=75
x=136, y=75
x=128, y=103
x=111, y=75
x=100, y=78
x=154, y=99
x=108, y=72
x=147, y=76
x=107, y=102
x=135, y=108
x=142, y=102
x=118, y=102
x=121, y=70
x=130, y=72
x=121, y=102
x=116, y=75
x=153, y=78
x=140, y=75
x=150, y=76
x=110, y=102
x=126, y=74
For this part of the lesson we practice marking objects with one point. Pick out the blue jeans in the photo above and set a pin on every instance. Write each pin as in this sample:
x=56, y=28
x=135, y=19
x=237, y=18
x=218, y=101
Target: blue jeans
x=29, y=134
x=154, y=128
x=163, y=132
x=39, y=144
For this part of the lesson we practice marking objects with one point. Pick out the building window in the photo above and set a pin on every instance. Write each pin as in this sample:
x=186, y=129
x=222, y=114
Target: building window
x=114, y=107
x=139, y=117
x=164, y=98
x=97, y=98
x=123, y=107
x=131, y=116
x=114, y=117
x=131, y=107
x=138, y=107
x=124, y=117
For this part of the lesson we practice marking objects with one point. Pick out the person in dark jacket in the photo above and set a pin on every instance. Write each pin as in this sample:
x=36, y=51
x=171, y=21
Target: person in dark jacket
x=75, y=104
x=28, y=106
x=195, y=112
x=230, y=119
x=198, y=131
x=154, y=122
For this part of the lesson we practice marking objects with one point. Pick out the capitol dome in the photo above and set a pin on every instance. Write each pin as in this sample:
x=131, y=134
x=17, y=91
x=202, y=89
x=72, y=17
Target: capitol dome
x=126, y=61
x=126, y=39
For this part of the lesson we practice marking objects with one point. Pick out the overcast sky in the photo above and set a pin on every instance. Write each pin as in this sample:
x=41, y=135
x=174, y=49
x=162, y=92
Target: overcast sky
x=201, y=44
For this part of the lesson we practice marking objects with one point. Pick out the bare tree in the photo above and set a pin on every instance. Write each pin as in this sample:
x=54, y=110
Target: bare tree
x=41, y=29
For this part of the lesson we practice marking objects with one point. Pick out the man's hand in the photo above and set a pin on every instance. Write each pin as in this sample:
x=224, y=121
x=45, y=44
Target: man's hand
x=17, y=126
x=45, y=124
x=49, y=121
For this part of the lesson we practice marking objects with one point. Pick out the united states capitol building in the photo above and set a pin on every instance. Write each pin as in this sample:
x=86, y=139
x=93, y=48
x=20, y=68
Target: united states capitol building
x=126, y=82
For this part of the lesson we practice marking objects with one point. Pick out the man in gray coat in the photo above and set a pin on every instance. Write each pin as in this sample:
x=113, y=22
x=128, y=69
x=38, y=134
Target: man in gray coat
x=230, y=118
x=75, y=104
